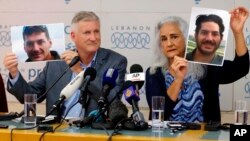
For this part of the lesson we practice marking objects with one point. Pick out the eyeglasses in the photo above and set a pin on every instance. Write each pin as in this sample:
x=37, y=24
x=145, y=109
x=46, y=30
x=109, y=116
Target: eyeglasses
x=32, y=43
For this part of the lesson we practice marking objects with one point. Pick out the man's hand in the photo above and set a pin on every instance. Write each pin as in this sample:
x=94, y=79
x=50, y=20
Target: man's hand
x=11, y=63
x=67, y=56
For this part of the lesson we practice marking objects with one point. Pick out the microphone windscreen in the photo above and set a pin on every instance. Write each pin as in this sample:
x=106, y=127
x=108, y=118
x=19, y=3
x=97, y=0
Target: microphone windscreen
x=90, y=72
x=109, y=77
x=117, y=111
x=136, y=68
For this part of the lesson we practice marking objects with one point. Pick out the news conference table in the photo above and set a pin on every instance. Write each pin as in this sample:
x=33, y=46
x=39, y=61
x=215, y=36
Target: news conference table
x=73, y=133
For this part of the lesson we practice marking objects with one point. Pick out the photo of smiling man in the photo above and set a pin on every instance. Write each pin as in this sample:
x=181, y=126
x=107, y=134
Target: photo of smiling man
x=207, y=44
x=38, y=44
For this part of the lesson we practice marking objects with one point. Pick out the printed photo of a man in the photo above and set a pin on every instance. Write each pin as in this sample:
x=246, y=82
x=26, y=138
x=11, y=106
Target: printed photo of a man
x=38, y=44
x=207, y=44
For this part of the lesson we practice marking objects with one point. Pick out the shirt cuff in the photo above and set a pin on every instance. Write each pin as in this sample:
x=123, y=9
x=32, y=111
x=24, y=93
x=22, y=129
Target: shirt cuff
x=13, y=81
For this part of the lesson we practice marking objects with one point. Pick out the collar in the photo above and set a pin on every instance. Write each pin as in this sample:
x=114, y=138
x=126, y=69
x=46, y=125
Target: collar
x=90, y=64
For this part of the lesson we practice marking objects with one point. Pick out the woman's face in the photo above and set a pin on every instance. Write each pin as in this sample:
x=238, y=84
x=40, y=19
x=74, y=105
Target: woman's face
x=172, y=40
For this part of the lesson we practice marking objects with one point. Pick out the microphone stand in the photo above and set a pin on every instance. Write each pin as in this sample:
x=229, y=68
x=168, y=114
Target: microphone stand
x=107, y=124
x=83, y=100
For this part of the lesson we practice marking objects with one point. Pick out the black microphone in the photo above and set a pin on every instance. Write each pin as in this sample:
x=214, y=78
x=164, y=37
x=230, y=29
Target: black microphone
x=131, y=94
x=71, y=64
x=108, y=83
x=89, y=75
x=74, y=61
x=137, y=77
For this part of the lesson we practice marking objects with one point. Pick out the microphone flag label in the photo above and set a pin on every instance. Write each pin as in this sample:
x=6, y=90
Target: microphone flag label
x=130, y=94
x=135, y=77
x=239, y=132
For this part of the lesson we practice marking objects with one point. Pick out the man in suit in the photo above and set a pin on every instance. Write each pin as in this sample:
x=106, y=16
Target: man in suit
x=85, y=33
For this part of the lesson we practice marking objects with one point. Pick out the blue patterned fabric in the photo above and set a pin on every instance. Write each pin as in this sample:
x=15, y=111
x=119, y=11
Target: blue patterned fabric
x=190, y=100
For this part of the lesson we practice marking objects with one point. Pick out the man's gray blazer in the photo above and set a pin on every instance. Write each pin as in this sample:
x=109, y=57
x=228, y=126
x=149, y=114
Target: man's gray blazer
x=105, y=59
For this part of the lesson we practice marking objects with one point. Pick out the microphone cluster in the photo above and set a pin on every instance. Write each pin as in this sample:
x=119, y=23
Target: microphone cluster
x=114, y=110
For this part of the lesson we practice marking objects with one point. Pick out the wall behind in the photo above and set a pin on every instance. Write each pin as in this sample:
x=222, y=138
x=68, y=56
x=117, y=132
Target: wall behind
x=128, y=27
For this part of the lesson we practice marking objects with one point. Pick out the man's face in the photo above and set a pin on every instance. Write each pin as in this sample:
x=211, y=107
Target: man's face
x=37, y=46
x=208, y=38
x=86, y=36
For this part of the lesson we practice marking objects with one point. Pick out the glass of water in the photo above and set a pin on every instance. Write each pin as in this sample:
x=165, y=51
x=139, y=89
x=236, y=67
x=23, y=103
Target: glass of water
x=30, y=109
x=158, y=104
x=241, y=113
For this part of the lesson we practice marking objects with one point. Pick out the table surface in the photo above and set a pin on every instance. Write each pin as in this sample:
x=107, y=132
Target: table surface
x=66, y=133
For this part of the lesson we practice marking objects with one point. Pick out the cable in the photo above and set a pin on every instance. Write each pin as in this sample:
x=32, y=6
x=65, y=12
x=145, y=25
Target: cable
x=116, y=132
x=42, y=136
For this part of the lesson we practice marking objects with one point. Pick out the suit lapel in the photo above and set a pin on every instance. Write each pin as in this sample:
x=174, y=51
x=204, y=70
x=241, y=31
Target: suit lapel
x=100, y=58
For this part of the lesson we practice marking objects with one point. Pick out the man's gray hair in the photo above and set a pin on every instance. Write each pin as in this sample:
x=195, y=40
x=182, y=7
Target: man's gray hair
x=85, y=16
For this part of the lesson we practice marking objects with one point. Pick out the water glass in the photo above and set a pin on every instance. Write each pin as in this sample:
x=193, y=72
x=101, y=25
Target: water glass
x=158, y=104
x=30, y=109
x=241, y=113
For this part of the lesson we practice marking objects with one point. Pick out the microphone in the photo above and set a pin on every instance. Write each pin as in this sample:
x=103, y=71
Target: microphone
x=117, y=111
x=82, y=78
x=89, y=75
x=108, y=82
x=71, y=64
x=132, y=94
x=136, y=75
x=68, y=91
x=74, y=61
x=138, y=78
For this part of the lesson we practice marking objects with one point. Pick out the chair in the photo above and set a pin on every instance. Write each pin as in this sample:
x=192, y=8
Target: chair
x=3, y=100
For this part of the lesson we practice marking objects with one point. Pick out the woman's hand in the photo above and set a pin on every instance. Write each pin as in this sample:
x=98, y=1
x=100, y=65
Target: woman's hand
x=179, y=68
x=239, y=16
